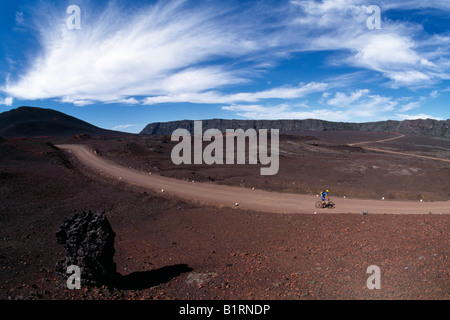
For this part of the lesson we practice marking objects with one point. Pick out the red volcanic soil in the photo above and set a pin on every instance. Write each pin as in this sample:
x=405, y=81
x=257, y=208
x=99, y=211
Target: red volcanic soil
x=210, y=193
x=175, y=249
x=309, y=162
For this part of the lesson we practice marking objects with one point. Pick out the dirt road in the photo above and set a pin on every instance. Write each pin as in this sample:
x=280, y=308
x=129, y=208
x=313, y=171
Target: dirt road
x=394, y=152
x=378, y=141
x=220, y=195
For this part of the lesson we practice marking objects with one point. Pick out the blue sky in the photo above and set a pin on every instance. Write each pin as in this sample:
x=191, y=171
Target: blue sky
x=136, y=62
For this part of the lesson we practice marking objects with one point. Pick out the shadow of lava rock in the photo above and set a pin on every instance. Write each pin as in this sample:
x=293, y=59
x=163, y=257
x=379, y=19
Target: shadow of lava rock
x=148, y=279
x=89, y=244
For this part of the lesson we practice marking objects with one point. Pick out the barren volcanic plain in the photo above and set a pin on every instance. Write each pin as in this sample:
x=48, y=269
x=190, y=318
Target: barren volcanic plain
x=170, y=246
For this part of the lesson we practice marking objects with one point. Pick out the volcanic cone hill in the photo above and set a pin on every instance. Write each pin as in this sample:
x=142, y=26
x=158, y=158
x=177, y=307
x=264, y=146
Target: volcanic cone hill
x=32, y=122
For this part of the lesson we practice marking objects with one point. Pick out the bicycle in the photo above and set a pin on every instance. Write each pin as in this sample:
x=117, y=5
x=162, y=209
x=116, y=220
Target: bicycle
x=330, y=204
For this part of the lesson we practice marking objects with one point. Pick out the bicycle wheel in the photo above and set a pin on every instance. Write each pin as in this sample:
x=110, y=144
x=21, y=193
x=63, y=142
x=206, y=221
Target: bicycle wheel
x=319, y=204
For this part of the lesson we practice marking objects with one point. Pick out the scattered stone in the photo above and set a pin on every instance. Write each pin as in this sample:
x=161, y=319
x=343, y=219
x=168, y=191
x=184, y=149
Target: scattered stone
x=82, y=136
x=199, y=279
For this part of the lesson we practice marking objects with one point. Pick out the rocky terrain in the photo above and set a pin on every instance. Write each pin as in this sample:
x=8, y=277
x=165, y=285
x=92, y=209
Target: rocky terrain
x=168, y=248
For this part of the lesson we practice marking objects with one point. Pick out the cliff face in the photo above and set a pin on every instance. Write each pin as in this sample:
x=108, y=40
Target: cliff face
x=428, y=127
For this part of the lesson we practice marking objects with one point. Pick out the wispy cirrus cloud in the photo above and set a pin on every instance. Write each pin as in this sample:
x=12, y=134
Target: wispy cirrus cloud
x=214, y=97
x=167, y=47
x=417, y=4
x=410, y=106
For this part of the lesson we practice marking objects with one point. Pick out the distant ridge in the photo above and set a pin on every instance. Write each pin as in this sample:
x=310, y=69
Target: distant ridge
x=419, y=127
x=33, y=121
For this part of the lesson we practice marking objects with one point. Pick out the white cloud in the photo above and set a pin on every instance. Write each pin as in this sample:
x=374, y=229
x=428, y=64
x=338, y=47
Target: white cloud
x=123, y=126
x=409, y=77
x=416, y=116
x=213, y=97
x=342, y=100
x=7, y=101
x=198, y=80
x=362, y=104
x=285, y=111
x=401, y=51
x=410, y=106
x=417, y=4
x=20, y=20
x=385, y=51
x=434, y=94
x=327, y=13
x=280, y=92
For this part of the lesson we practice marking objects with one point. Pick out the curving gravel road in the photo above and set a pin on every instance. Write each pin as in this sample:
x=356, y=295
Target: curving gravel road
x=220, y=195
x=361, y=144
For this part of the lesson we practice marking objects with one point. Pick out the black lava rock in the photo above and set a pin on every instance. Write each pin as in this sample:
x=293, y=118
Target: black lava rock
x=89, y=244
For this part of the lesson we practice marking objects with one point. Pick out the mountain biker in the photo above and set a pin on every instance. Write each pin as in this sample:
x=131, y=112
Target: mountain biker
x=324, y=197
